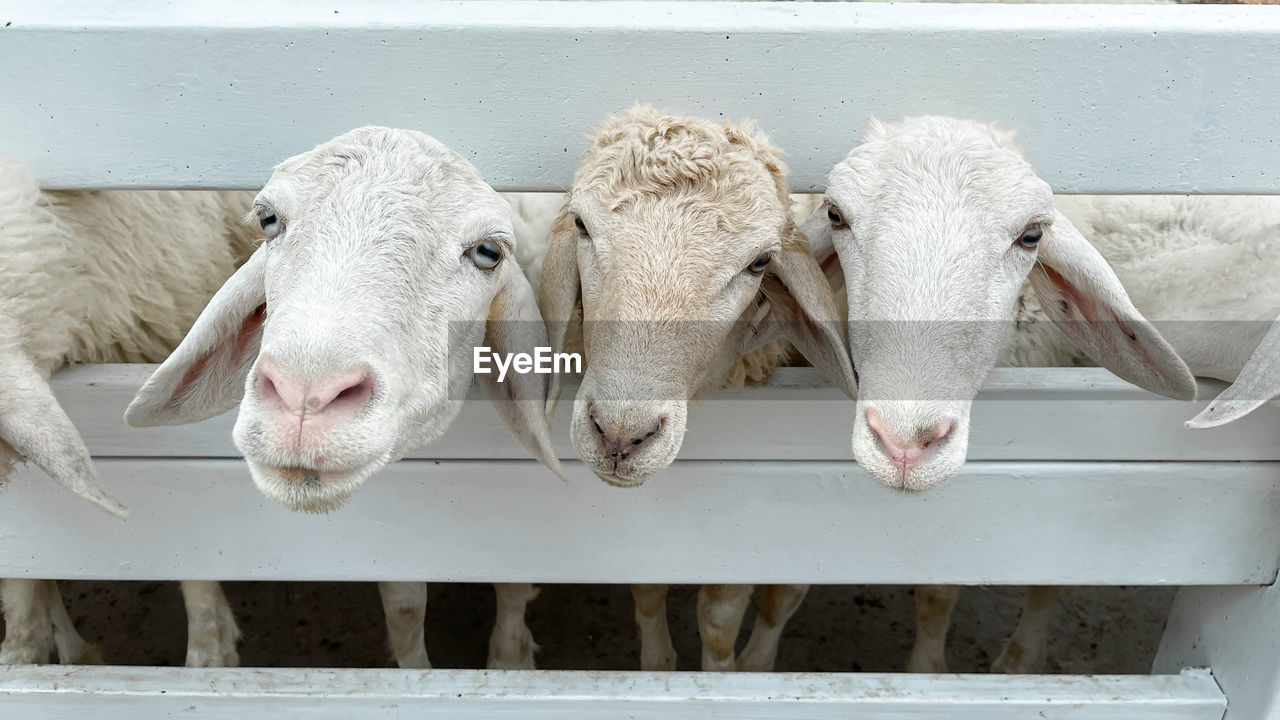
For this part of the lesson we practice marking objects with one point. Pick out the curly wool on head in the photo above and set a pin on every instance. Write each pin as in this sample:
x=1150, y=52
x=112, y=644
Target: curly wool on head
x=643, y=154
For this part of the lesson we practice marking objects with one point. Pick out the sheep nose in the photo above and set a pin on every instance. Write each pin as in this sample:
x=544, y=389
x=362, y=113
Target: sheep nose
x=619, y=441
x=910, y=453
x=332, y=394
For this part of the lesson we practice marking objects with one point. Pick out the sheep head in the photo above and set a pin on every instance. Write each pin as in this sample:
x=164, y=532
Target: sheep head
x=675, y=232
x=346, y=339
x=937, y=223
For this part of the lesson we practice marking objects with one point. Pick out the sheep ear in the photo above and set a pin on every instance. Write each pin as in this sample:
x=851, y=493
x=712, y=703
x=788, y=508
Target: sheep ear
x=205, y=376
x=560, y=293
x=515, y=326
x=1258, y=382
x=38, y=429
x=804, y=309
x=818, y=233
x=1079, y=291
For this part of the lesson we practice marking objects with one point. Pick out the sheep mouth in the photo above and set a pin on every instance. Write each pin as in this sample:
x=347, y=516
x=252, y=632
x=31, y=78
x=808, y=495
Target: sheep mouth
x=306, y=489
x=620, y=481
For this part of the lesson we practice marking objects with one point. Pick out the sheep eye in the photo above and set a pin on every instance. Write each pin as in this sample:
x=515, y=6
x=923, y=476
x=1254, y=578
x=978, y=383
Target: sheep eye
x=1030, y=237
x=760, y=263
x=582, y=227
x=270, y=223
x=486, y=255
x=837, y=220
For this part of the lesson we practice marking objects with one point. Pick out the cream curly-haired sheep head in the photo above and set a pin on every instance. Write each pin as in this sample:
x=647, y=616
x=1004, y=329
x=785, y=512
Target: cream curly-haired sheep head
x=937, y=223
x=347, y=337
x=675, y=232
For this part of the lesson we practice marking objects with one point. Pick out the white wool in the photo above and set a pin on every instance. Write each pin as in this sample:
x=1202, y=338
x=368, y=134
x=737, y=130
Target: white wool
x=1179, y=257
x=111, y=276
x=97, y=277
x=107, y=276
x=532, y=216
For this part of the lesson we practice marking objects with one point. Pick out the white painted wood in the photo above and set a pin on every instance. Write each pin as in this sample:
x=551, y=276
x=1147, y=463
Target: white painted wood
x=128, y=693
x=1022, y=414
x=1039, y=523
x=1236, y=630
x=182, y=94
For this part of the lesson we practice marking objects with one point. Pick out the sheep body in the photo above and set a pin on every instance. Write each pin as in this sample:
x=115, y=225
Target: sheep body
x=1181, y=258
x=84, y=279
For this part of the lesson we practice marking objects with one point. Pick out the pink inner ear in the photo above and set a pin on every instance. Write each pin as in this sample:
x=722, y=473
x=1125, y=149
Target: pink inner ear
x=1089, y=310
x=828, y=263
x=1084, y=305
x=239, y=344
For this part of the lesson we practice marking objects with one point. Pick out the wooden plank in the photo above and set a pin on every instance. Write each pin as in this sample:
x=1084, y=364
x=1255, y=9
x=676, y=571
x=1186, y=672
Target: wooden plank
x=126, y=692
x=1022, y=414
x=165, y=94
x=796, y=522
x=1236, y=630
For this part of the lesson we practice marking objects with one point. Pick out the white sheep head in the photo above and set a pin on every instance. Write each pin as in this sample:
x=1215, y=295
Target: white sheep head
x=347, y=337
x=675, y=231
x=937, y=223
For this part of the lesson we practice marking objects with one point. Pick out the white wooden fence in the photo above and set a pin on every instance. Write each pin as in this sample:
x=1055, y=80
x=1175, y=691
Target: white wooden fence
x=1074, y=477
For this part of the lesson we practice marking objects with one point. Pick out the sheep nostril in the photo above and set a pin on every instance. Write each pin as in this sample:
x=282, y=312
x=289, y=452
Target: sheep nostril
x=266, y=388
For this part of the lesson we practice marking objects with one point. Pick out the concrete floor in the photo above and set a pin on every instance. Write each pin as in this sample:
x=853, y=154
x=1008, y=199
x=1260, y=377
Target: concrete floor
x=839, y=628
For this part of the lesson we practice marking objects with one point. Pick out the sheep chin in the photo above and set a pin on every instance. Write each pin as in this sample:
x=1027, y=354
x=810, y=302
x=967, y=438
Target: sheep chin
x=307, y=489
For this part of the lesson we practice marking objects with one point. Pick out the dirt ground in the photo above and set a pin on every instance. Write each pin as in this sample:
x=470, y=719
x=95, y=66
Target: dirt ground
x=839, y=628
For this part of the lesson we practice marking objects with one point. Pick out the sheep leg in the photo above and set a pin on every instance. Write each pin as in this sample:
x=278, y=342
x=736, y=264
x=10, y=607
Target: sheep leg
x=405, y=606
x=656, y=650
x=511, y=646
x=28, y=636
x=72, y=649
x=934, y=604
x=720, y=611
x=1028, y=649
x=211, y=626
x=777, y=604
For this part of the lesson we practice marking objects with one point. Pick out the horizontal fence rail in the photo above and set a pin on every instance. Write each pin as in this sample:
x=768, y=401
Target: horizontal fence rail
x=116, y=692
x=1021, y=414
x=161, y=94
x=1026, y=518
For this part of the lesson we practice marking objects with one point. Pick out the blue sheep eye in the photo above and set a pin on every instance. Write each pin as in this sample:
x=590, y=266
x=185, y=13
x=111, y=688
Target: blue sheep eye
x=486, y=255
x=271, y=225
x=1030, y=237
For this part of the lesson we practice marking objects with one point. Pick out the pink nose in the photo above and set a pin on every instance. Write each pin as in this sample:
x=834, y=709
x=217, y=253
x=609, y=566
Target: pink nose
x=332, y=395
x=911, y=453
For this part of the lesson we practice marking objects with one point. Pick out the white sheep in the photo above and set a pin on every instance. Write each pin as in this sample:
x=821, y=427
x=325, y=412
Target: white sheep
x=1206, y=269
x=97, y=277
x=346, y=338
x=675, y=232
x=938, y=223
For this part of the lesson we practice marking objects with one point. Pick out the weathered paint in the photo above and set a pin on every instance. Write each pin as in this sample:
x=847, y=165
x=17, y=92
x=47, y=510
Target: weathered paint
x=179, y=94
x=120, y=692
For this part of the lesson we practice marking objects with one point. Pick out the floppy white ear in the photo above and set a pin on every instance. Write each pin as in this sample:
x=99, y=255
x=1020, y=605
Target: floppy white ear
x=38, y=429
x=818, y=233
x=205, y=375
x=560, y=293
x=803, y=309
x=515, y=326
x=1079, y=291
x=1258, y=382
